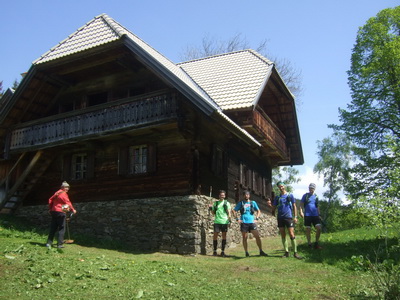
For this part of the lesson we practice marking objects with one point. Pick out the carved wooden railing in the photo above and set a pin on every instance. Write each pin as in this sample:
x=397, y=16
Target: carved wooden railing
x=271, y=133
x=116, y=116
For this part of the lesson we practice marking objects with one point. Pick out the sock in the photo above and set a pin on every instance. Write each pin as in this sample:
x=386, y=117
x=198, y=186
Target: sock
x=285, y=244
x=215, y=244
x=294, y=244
x=223, y=245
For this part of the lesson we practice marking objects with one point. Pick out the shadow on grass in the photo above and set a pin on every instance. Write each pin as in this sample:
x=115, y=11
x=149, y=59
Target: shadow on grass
x=334, y=253
x=24, y=229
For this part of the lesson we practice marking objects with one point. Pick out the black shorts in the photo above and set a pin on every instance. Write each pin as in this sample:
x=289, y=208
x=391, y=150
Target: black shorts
x=312, y=220
x=283, y=222
x=220, y=227
x=248, y=227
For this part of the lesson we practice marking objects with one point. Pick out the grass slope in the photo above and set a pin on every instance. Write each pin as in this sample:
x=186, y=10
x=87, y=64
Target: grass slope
x=91, y=269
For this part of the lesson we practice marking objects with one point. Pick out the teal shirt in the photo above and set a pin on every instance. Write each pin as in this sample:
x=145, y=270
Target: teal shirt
x=245, y=207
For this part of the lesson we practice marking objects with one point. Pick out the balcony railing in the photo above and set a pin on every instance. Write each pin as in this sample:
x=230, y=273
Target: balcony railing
x=124, y=115
x=271, y=133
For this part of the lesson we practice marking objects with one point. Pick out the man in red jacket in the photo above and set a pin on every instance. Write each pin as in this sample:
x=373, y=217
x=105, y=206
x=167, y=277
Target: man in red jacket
x=59, y=204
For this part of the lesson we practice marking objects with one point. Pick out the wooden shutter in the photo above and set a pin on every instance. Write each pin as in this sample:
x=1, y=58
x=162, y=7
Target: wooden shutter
x=152, y=158
x=123, y=161
x=66, y=168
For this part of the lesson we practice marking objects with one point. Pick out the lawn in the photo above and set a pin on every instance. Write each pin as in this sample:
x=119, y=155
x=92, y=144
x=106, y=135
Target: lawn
x=90, y=269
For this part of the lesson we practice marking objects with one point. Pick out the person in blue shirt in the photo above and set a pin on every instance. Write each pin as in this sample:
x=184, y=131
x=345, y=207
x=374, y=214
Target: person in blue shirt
x=311, y=214
x=287, y=217
x=249, y=214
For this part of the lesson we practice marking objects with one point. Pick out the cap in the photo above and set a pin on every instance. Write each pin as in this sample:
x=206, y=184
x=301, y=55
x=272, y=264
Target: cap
x=312, y=186
x=64, y=184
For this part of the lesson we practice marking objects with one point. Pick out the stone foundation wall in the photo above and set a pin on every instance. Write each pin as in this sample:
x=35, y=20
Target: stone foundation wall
x=181, y=224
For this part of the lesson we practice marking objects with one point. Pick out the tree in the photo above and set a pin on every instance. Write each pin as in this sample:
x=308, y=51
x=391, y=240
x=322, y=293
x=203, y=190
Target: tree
x=1, y=89
x=15, y=84
x=211, y=46
x=286, y=174
x=372, y=119
x=334, y=158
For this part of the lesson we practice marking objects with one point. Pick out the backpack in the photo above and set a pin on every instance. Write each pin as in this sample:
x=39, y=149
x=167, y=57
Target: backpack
x=252, y=210
x=287, y=199
x=307, y=200
x=215, y=206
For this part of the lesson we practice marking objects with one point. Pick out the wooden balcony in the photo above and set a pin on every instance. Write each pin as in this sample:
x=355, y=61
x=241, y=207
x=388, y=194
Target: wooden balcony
x=268, y=134
x=105, y=119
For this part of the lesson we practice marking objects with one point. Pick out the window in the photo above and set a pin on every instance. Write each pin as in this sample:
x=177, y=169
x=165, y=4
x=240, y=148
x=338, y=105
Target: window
x=79, y=166
x=245, y=176
x=218, y=161
x=138, y=159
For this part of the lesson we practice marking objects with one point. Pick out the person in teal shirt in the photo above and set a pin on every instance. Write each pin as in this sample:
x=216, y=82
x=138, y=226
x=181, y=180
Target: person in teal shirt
x=249, y=214
x=221, y=210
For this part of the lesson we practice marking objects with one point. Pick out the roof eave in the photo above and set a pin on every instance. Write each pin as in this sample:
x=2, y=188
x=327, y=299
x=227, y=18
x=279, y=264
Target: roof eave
x=21, y=87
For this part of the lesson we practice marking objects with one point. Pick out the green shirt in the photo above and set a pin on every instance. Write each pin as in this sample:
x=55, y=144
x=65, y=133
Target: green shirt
x=221, y=215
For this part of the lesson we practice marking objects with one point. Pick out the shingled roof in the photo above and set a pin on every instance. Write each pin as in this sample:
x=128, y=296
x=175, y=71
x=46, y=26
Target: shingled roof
x=233, y=80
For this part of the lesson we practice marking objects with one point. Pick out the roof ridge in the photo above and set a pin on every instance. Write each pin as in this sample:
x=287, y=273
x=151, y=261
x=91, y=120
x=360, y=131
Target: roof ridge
x=119, y=29
x=262, y=57
x=115, y=27
x=213, y=56
x=255, y=53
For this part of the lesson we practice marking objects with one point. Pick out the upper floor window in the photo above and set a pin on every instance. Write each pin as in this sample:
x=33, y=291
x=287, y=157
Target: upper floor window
x=138, y=159
x=218, y=164
x=79, y=166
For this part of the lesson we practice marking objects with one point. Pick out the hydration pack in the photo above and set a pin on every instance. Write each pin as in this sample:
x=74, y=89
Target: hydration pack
x=252, y=210
x=216, y=204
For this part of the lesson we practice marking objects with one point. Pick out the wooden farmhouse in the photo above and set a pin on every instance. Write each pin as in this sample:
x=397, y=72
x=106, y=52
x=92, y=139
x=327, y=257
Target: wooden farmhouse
x=120, y=122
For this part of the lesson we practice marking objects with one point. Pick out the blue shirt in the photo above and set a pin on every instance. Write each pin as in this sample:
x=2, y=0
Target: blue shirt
x=246, y=215
x=284, y=203
x=310, y=205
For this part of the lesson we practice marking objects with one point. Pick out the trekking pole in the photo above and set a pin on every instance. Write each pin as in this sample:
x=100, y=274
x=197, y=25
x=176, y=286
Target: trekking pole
x=69, y=237
x=69, y=241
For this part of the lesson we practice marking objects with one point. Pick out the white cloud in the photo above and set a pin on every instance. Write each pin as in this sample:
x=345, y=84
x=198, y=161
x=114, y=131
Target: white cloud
x=307, y=177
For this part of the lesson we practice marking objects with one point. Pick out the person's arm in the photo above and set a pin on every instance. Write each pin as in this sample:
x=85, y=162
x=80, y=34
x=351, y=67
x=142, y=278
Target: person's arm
x=294, y=209
x=51, y=202
x=273, y=205
x=67, y=201
x=258, y=215
x=235, y=211
x=319, y=213
x=211, y=208
x=301, y=209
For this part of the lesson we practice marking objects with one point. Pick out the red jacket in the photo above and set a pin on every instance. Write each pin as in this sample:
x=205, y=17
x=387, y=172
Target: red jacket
x=58, y=200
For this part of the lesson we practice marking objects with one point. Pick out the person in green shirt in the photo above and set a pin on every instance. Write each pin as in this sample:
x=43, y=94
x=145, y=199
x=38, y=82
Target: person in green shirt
x=221, y=210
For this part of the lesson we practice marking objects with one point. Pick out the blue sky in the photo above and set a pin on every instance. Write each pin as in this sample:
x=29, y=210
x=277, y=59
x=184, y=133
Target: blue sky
x=316, y=36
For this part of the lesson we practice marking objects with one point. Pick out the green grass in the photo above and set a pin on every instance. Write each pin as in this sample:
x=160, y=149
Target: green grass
x=90, y=269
